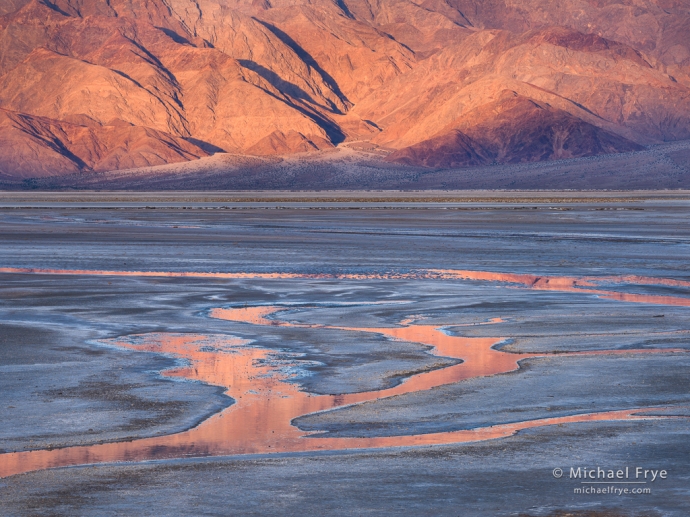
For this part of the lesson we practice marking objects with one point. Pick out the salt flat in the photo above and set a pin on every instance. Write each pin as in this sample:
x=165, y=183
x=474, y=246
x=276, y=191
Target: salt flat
x=65, y=382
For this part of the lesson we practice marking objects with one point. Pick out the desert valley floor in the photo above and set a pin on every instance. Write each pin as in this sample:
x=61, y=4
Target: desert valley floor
x=344, y=359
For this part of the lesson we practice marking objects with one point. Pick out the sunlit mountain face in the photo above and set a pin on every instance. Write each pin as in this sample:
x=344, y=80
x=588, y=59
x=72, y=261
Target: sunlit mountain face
x=102, y=85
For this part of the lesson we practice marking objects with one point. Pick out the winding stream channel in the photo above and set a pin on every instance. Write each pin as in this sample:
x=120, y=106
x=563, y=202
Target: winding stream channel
x=266, y=403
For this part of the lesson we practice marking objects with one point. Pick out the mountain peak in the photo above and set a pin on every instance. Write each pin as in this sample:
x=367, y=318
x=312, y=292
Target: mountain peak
x=452, y=83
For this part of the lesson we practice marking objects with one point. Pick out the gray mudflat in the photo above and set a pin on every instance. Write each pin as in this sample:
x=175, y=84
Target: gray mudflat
x=59, y=390
x=552, y=387
x=60, y=386
x=509, y=477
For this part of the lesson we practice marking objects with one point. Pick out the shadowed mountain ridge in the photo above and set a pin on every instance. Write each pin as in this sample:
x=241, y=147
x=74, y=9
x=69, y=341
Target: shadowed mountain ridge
x=454, y=83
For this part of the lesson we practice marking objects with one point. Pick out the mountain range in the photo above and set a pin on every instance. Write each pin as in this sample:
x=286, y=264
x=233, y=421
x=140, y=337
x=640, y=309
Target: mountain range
x=93, y=86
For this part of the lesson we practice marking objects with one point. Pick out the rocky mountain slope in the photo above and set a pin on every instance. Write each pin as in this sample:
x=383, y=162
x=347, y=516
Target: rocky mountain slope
x=88, y=86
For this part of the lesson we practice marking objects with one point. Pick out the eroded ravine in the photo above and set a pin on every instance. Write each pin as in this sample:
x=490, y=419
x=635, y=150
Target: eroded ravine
x=265, y=404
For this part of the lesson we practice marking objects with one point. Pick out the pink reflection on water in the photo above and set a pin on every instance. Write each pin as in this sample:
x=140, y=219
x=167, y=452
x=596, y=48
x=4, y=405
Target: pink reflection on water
x=584, y=284
x=265, y=404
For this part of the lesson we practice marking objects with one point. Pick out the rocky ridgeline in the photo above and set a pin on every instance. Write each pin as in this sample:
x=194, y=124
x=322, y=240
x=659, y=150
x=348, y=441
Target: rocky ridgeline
x=101, y=85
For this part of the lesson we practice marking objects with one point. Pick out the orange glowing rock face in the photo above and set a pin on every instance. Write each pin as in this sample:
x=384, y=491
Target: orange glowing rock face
x=265, y=404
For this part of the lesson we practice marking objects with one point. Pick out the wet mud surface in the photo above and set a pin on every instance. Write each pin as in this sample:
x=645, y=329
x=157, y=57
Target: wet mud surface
x=507, y=477
x=57, y=391
x=73, y=376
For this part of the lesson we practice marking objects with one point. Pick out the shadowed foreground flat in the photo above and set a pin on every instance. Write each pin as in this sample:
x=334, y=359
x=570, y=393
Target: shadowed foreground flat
x=588, y=297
